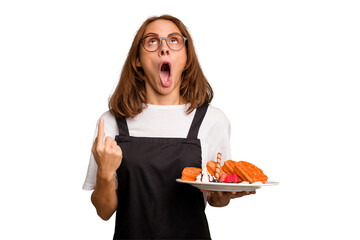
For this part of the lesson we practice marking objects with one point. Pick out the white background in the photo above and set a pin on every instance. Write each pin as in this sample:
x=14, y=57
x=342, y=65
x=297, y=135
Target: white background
x=286, y=74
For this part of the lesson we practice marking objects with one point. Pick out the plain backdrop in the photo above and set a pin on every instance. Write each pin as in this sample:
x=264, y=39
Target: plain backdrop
x=285, y=73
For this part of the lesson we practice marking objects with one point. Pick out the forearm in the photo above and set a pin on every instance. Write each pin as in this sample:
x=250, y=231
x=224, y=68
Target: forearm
x=104, y=197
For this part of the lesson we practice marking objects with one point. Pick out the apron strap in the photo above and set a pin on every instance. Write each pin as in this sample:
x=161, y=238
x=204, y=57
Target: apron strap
x=198, y=118
x=123, y=127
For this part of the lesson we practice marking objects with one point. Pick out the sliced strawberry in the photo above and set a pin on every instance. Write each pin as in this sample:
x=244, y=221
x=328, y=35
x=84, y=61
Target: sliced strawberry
x=229, y=179
x=222, y=177
x=235, y=177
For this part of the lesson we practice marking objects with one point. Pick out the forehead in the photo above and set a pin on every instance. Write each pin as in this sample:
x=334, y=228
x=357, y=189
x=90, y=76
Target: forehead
x=162, y=28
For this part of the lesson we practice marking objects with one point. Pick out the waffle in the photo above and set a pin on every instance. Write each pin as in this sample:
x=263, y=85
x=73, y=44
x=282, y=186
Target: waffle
x=229, y=166
x=249, y=172
x=190, y=173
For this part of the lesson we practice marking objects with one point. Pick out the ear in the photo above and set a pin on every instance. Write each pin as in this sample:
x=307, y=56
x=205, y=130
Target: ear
x=138, y=63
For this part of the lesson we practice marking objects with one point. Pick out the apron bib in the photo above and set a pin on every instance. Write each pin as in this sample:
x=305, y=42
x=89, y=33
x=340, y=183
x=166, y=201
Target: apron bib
x=151, y=204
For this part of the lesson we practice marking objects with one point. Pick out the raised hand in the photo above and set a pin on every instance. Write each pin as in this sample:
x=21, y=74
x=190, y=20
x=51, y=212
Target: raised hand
x=108, y=154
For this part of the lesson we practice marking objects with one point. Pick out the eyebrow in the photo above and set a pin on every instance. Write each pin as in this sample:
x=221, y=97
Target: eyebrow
x=151, y=33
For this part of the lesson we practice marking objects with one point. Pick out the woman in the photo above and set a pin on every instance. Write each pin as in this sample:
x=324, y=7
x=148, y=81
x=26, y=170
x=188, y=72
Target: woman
x=161, y=121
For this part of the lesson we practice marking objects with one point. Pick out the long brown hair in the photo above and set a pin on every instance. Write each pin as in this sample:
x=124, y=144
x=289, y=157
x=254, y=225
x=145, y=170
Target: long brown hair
x=130, y=95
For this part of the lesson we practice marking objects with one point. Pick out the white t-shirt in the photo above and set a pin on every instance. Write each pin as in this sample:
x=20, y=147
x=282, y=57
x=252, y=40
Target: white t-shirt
x=170, y=121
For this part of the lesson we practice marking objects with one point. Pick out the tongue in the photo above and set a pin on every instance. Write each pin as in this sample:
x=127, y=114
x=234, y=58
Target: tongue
x=165, y=78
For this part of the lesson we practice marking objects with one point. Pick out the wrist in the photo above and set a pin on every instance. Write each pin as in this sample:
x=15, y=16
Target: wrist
x=105, y=175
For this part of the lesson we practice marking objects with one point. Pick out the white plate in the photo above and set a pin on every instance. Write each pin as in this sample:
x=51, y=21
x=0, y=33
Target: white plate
x=227, y=187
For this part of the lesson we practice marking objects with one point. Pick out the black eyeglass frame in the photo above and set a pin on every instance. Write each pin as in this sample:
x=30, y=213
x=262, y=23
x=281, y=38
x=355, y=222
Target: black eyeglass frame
x=166, y=40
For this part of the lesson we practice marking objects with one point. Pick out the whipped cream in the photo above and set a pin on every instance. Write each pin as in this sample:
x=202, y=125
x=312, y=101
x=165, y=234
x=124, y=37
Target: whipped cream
x=244, y=182
x=204, y=176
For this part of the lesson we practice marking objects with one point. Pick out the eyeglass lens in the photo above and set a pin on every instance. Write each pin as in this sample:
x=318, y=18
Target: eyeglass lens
x=152, y=42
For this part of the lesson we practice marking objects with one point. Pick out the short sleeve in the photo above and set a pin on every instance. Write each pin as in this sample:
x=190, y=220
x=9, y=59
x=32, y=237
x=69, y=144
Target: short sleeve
x=225, y=142
x=214, y=135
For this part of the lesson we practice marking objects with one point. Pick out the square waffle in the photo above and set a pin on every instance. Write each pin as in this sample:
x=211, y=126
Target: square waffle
x=249, y=172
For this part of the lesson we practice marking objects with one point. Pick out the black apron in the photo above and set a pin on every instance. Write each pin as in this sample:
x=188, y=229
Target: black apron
x=151, y=204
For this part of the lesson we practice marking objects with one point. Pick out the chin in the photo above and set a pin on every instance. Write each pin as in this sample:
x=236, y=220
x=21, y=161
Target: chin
x=166, y=90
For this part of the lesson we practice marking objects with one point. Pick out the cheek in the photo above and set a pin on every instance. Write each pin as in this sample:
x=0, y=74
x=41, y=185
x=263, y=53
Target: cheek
x=146, y=62
x=184, y=55
x=182, y=61
x=148, y=66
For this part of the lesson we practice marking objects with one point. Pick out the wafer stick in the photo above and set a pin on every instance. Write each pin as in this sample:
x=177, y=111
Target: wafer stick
x=211, y=167
x=218, y=166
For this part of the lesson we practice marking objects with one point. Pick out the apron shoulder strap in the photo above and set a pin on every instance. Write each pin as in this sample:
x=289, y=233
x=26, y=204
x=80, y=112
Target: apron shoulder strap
x=198, y=118
x=123, y=127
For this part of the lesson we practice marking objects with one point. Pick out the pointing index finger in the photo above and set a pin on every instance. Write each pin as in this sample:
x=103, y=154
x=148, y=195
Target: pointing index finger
x=101, y=133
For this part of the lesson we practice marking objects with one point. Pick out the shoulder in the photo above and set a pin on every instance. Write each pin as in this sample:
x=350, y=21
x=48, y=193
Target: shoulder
x=108, y=117
x=216, y=115
x=215, y=120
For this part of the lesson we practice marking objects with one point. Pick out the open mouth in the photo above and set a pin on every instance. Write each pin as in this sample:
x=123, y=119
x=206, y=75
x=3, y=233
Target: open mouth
x=165, y=73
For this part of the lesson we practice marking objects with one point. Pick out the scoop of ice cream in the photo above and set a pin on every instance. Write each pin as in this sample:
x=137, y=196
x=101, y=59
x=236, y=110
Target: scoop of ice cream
x=204, y=176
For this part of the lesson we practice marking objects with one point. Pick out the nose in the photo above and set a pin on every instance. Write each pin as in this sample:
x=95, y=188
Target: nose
x=164, y=49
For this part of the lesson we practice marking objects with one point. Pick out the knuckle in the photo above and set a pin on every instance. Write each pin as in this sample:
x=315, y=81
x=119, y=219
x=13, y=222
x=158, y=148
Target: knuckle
x=99, y=149
x=93, y=148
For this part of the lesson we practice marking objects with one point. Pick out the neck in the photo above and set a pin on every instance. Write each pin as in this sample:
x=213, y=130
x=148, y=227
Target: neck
x=171, y=98
x=165, y=100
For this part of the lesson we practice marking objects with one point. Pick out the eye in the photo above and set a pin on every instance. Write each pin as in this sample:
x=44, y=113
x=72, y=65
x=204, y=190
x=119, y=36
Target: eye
x=174, y=40
x=152, y=41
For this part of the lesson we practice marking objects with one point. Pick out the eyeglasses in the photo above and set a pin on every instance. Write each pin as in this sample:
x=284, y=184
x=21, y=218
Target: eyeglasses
x=152, y=42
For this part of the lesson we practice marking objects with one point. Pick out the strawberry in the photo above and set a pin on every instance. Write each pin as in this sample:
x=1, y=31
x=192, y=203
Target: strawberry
x=222, y=177
x=229, y=179
x=235, y=177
